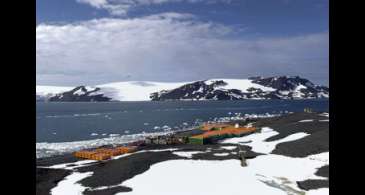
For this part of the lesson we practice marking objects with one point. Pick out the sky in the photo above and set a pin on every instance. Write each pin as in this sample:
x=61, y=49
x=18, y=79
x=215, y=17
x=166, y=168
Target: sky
x=89, y=42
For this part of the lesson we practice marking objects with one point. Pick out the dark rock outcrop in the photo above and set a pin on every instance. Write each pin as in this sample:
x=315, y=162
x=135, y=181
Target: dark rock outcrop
x=80, y=94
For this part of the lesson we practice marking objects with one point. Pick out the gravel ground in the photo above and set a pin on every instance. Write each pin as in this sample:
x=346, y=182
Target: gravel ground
x=46, y=179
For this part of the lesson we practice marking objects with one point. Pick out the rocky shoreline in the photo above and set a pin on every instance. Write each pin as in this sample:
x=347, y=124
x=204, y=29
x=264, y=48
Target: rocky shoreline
x=112, y=173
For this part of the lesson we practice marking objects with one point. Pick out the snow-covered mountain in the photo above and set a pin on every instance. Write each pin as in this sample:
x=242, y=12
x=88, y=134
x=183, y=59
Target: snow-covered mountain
x=253, y=88
x=281, y=87
x=81, y=94
x=118, y=91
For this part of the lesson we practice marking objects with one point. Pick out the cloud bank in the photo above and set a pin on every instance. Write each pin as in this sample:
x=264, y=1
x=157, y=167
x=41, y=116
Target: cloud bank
x=169, y=47
x=121, y=7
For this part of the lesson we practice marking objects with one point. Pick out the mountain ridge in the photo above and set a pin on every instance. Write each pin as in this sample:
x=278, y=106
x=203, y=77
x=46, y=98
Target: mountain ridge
x=279, y=87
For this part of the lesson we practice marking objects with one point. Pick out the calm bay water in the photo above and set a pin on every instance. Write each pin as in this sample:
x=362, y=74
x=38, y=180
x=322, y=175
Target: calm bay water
x=74, y=121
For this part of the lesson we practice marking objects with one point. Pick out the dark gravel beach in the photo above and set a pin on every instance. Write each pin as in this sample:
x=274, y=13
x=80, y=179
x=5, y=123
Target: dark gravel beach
x=46, y=179
x=114, y=172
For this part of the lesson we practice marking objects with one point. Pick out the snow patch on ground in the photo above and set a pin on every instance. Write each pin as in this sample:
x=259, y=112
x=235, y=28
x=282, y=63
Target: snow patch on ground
x=221, y=154
x=263, y=169
x=187, y=154
x=78, y=164
x=70, y=186
x=305, y=121
x=324, y=114
x=228, y=147
x=258, y=143
x=321, y=191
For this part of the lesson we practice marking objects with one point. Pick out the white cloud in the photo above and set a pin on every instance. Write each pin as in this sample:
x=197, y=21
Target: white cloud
x=168, y=47
x=121, y=7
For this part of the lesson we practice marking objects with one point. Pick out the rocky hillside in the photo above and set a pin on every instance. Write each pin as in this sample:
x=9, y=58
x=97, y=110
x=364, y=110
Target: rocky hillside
x=80, y=94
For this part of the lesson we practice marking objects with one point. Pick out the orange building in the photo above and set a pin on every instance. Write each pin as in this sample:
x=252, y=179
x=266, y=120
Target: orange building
x=229, y=131
x=104, y=153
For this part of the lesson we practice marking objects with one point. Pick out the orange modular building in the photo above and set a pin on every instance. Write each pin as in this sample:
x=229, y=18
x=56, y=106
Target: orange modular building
x=226, y=132
x=84, y=154
x=109, y=151
x=210, y=126
x=128, y=149
x=101, y=156
x=104, y=153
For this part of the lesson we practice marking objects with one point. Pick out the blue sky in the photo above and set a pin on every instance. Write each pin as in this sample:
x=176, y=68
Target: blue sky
x=185, y=39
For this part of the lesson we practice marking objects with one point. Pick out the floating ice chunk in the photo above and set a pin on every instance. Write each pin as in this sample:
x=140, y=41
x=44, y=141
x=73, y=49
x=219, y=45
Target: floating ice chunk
x=94, y=134
x=114, y=135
